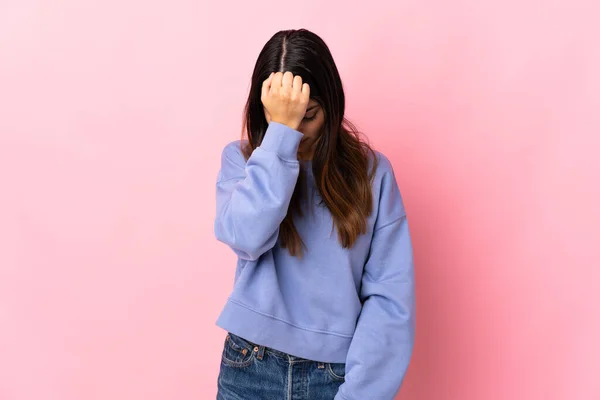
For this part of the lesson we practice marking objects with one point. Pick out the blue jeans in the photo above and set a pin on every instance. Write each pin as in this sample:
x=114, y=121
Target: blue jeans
x=254, y=372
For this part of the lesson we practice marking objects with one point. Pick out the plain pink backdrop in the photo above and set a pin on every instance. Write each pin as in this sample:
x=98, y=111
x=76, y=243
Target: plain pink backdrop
x=113, y=115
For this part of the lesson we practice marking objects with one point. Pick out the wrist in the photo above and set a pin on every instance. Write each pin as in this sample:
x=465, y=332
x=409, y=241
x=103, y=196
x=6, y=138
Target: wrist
x=283, y=140
x=289, y=124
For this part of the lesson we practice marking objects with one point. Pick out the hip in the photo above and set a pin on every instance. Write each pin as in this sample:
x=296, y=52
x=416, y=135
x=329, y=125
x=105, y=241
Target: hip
x=250, y=371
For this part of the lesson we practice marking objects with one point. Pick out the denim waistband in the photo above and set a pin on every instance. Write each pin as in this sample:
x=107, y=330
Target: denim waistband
x=271, y=350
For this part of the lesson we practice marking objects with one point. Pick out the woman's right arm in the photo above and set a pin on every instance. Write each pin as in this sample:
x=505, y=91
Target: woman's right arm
x=253, y=196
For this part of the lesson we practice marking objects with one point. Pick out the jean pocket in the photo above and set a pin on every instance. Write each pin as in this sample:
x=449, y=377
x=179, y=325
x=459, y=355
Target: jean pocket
x=237, y=352
x=337, y=371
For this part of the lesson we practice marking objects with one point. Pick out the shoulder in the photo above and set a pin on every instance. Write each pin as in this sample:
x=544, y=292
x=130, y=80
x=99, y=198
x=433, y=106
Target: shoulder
x=384, y=168
x=385, y=188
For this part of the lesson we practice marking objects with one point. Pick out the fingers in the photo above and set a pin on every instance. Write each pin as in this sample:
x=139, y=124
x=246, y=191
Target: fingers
x=297, y=84
x=285, y=98
x=288, y=81
x=306, y=92
x=266, y=86
x=276, y=81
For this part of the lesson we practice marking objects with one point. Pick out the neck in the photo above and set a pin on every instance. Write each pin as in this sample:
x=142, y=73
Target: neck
x=306, y=155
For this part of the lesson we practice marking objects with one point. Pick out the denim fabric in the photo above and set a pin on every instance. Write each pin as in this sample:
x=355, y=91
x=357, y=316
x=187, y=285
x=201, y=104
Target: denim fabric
x=254, y=372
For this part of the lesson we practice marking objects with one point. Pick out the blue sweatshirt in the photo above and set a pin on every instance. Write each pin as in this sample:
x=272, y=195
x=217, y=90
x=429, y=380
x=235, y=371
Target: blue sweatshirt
x=353, y=306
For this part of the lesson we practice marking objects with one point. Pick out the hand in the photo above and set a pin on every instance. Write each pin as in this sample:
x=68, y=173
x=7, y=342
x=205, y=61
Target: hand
x=285, y=98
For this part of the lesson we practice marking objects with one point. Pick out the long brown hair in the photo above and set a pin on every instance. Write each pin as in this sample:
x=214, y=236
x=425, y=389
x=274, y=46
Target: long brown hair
x=340, y=162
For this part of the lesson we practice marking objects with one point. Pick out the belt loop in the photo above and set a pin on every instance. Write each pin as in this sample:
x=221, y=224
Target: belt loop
x=261, y=352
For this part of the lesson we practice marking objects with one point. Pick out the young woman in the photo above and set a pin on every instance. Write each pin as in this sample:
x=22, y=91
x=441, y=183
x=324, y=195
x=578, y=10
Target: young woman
x=323, y=302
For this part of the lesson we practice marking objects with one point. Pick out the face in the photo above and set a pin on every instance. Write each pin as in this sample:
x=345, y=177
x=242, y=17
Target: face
x=311, y=126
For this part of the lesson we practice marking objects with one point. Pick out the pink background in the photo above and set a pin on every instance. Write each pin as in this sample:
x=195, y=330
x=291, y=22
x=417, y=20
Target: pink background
x=112, y=118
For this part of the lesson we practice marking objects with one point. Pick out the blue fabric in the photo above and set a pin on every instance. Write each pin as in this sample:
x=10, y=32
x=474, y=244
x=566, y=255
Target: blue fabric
x=335, y=305
x=253, y=372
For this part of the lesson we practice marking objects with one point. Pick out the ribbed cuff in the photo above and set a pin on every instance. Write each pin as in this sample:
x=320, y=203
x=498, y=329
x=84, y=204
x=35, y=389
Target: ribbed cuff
x=283, y=140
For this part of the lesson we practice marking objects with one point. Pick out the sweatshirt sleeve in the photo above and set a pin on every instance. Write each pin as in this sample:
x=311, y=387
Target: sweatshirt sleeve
x=253, y=196
x=383, y=340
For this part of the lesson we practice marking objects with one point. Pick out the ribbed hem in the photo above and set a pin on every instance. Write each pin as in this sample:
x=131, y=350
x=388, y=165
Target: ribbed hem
x=279, y=335
x=340, y=396
x=283, y=140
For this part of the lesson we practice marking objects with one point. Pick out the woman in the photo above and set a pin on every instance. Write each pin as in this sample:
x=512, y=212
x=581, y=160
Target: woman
x=323, y=302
